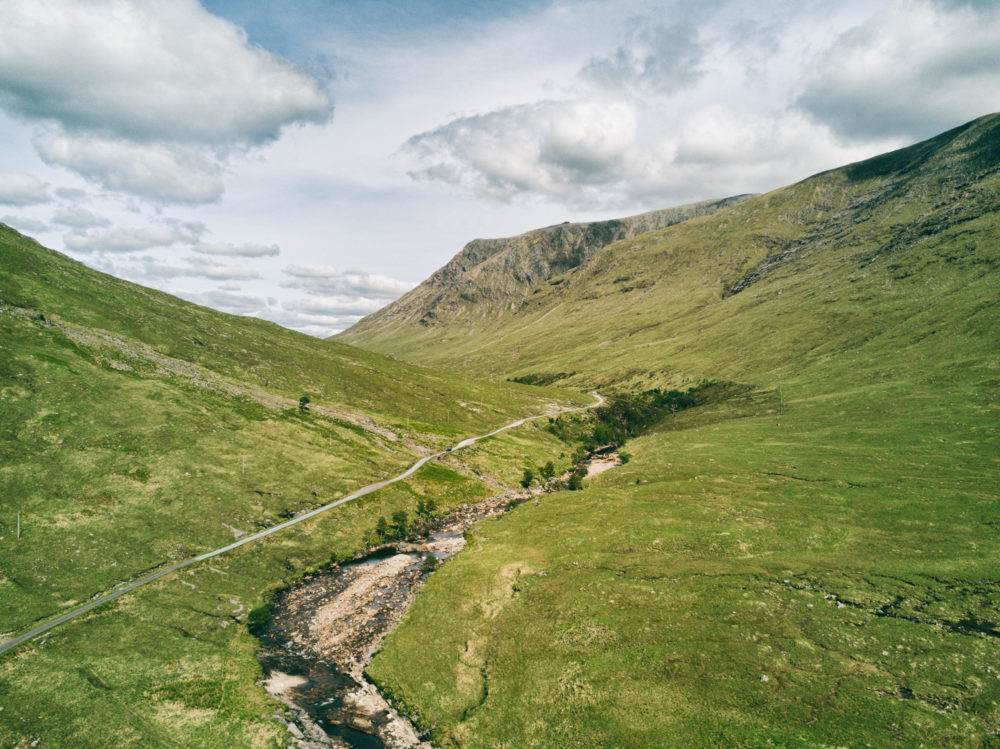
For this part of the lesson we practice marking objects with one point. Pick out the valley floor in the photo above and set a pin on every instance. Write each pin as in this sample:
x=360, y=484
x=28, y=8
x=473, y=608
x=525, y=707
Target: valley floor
x=822, y=576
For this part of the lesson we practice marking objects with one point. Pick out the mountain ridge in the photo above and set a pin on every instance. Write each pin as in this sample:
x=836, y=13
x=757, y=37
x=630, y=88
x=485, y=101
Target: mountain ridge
x=836, y=228
x=497, y=274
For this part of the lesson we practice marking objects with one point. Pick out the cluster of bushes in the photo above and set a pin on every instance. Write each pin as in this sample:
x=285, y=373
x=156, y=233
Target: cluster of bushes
x=400, y=526
x=618, y=420
x=543, y=474
x=548, y=471
x=623, y=418
x=541, y=378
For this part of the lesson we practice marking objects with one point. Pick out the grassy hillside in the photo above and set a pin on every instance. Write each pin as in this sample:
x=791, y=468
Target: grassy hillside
x=811, y=563
x=793, y=277
x=138, y=429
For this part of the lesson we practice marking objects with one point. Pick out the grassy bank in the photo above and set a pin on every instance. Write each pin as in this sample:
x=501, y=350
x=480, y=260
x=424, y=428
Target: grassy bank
x=812, y=562
x=823, y=576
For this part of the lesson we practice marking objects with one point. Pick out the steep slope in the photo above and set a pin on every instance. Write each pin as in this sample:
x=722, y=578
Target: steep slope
x=136, y=430
x=807, y=268
x=813, y=562
x=491, y=278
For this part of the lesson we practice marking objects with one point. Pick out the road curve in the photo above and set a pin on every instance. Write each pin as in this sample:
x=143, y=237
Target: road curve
x=100, y=600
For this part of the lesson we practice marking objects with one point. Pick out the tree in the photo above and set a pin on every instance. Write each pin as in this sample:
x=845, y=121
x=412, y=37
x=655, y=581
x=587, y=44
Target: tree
x=400, y=524
x=528, y=478
x=426, y=508
x=575, y=482
x=382, y=529
x=304, y=403
x=548, y=470
x=430, y=563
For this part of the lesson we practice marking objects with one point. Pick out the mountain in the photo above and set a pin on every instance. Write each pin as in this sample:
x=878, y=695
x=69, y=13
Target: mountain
x=493, y=277
x=788, y=277
x=810, y=560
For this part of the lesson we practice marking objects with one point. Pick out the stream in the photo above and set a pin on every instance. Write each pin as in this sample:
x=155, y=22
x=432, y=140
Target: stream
x=325, y=628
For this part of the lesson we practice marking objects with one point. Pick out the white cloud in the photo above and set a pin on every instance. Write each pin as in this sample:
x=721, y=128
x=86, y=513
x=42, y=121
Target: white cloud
x=220, y=272
x=148, y=71
x=560, y=149
x=912, y=70
x=249, y=249
x=320, y=325
x=325, y=280
x=654, y=59
x=127, y=239
x=79, y=218
x=148, y=269
x=719, y=151
x=24, y=224
x=591, y=155
x=160, y=172
x=17, y=188
x=228, y=301
x=150, y=98
x=357, y=306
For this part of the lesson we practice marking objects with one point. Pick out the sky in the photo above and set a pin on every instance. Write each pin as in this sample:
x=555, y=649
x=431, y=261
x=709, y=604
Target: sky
x=309, y=161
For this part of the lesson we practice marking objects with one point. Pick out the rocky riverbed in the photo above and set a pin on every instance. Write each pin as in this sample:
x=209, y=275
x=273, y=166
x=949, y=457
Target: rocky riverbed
x=324, y=630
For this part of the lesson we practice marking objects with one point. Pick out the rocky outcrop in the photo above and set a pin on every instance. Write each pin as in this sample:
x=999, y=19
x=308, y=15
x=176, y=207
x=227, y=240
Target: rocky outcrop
x=492, y=276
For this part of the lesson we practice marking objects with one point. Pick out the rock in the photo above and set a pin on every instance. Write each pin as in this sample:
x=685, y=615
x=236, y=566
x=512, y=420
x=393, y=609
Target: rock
x=361, y=723
x=295, y=730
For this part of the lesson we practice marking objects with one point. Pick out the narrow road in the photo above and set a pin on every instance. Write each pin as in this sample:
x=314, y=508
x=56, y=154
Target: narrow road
x=52, y=623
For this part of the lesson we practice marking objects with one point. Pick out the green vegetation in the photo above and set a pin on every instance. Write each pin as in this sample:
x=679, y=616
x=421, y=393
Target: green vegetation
x=808, y=558
x=430, y=564
x=138, y=430
x=801, y=551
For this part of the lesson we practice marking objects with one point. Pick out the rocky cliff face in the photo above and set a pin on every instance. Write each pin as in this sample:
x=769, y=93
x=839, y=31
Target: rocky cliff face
x=493, y=276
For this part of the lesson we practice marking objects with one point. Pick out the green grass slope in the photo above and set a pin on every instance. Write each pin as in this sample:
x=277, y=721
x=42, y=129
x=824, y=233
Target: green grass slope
x=137, y=429
x=794, y=276
x=813, y=562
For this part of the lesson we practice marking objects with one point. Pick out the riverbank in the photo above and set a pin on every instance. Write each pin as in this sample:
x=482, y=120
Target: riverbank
x=325, y=629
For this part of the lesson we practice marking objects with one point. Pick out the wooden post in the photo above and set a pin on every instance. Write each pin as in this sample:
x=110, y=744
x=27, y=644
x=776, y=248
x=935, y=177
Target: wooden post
x=244, y=463
x=18, y=526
